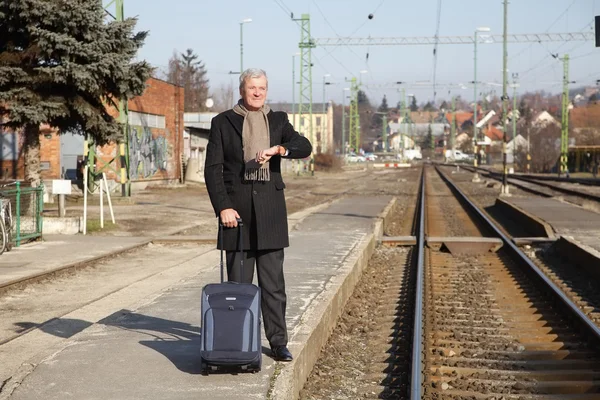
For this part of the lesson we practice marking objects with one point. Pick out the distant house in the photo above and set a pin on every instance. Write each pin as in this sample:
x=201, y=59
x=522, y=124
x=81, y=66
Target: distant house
x=195, y=139
x=586, y=120
x=322, y=123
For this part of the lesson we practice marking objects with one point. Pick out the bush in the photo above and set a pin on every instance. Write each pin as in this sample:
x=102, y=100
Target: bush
x=327, y=162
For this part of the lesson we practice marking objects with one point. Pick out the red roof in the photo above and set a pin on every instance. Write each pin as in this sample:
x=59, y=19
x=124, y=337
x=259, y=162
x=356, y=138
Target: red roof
x=494, y=133
x=461, y=117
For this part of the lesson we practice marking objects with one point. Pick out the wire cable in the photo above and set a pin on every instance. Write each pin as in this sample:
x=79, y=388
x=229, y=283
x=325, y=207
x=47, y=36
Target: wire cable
x=364, y=23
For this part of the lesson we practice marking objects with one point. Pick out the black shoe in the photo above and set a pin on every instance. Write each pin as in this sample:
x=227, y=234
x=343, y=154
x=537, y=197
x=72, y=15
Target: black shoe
x=281, y=353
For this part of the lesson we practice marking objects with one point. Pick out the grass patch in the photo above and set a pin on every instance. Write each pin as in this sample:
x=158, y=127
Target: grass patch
x=93, y=225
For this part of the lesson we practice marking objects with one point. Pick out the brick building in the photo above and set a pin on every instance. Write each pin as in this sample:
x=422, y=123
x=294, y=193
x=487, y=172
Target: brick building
x=155, y=141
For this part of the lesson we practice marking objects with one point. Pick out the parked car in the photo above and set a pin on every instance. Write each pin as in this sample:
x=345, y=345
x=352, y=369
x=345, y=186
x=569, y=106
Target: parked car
x=370, y=157
x=352, y=158
x=457, y=155
x=413, y=154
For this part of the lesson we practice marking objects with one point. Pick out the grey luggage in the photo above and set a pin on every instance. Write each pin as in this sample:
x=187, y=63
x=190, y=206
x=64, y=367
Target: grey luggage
x=231, y=325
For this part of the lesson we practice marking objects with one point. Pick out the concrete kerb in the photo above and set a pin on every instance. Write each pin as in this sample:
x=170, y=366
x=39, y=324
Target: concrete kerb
x=537, y=226
x=318, y=322
x=71, y=266
x=578, y=253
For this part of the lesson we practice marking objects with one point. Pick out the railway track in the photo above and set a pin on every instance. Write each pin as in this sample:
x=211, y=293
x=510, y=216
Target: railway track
x=456, y=317
x=493, y=325
x=547, y=186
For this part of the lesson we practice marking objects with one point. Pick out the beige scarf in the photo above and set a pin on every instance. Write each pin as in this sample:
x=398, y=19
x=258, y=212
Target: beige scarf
x=255, y=137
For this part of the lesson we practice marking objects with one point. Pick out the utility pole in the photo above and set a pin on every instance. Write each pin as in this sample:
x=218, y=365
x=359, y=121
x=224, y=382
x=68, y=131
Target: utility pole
x=453, y=124
x=475, y=153
x=305, y=105
x=384, y=133
x=294, y=89
x=324, y=120
x=354, y=136
x=504, y=190
x=123, y=143
x=564, y=137
x=514, y=119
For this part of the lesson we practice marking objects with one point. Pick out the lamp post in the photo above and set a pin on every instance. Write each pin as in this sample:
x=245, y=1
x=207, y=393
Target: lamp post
x=515, y=85
x=294, y=87
x=480, y=29
x=344, y=121
x=324, y=120
x=244, y=21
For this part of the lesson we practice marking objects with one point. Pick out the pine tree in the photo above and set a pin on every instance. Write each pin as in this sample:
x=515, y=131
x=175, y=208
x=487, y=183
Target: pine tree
x=185, y=69
x=61, y=64
x=413, y=104
x=378, y=118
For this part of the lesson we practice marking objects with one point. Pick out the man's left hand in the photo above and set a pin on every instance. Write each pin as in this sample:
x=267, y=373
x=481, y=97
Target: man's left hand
x=265, y=155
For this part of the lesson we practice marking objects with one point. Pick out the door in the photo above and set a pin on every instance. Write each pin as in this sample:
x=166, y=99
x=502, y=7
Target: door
x=71, y=147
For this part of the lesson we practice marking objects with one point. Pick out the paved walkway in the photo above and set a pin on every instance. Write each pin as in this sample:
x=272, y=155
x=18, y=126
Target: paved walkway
x=151, y=350
x=58, y=251
x=566, y=219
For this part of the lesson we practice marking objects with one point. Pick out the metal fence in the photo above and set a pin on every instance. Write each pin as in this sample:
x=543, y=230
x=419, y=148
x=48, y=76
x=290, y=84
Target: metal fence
x=27, y=204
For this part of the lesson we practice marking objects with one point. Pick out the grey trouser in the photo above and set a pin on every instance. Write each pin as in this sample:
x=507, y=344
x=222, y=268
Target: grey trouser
x=269, y=267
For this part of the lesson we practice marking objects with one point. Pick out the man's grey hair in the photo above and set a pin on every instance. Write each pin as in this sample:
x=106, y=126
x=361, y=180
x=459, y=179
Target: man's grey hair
x=252, y=73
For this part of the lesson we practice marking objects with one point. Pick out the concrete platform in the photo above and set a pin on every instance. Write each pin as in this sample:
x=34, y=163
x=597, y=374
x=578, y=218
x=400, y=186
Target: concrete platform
x=150, y=350
x=59, y=252
x=566, y=220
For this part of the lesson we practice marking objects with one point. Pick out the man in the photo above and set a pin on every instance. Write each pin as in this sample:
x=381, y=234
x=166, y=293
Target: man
x=243, y=178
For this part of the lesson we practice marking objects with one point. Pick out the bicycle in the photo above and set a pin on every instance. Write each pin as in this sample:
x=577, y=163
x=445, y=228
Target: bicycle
x=6, y=221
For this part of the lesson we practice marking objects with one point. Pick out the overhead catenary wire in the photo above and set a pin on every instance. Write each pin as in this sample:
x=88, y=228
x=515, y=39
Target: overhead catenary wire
x=365, y=22
x=547, y=30
x=435, y=47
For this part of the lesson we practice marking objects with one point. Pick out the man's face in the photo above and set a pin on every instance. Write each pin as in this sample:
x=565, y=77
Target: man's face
x=254, y=93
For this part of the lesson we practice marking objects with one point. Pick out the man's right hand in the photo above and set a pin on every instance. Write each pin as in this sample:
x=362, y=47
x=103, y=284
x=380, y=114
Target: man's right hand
x=229, y=218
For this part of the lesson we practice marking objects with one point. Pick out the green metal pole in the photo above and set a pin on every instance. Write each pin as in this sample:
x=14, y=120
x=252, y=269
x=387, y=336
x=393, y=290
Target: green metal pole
x=564, y=137
x=241, y=47
x=504, y=98
x=453, y=124
x=293, y=88
x=343, y=123
x=40, y=208
x=514, y=124
x=18, y=214
x=384, y=134
x=476, y=177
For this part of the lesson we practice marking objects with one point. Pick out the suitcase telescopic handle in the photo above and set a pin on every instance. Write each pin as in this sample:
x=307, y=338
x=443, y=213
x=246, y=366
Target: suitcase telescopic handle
x=240, y=244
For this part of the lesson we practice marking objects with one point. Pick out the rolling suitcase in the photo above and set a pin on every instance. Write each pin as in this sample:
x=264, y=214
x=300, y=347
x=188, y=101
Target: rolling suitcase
x=231, y=324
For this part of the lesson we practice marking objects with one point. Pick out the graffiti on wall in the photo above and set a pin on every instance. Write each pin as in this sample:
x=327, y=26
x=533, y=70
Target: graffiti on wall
x=147, y=154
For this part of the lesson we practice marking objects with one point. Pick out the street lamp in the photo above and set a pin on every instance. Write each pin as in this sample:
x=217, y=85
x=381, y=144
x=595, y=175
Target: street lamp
x=344, y=120
x=363, y=71
x=294, y=86
x=515, y=85
x=480, y=29
x=244, y=21
x=324, y=120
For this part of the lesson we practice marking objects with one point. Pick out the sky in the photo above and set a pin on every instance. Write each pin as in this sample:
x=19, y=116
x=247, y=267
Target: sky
x=212, y=29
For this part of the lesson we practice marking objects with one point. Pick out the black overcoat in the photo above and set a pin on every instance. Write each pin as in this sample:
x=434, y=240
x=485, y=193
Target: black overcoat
x=261, y=205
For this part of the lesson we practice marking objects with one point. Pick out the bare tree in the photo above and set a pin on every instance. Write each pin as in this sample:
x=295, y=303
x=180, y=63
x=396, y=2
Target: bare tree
x=544, y=147
x=223, y=98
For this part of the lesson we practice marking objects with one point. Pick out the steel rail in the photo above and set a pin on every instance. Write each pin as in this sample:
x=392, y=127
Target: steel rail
x=538, y=181
x=518, y=255
x=416, y=382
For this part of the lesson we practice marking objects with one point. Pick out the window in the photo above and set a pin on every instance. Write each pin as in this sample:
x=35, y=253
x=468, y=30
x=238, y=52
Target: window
x=318, y=120
x=147, y=120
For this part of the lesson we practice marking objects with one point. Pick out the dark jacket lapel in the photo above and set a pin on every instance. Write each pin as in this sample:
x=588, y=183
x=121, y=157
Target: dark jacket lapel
x=236, y=121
